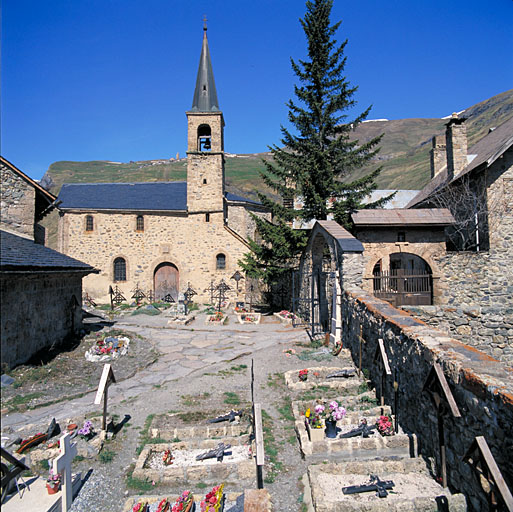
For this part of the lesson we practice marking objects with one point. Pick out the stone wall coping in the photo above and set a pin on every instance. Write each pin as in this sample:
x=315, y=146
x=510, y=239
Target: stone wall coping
x=472, y=369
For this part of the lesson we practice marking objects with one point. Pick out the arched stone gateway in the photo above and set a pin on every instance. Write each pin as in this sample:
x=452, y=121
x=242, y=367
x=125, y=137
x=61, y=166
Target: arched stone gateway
x=166, y=281
x=405, y=279
x=317, y=283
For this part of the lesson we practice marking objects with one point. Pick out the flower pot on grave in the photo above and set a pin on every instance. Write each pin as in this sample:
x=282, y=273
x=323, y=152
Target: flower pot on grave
x=52, y=488
x=316, y=435
x=331, y=429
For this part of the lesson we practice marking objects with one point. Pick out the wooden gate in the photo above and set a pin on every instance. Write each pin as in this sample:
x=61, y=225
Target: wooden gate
x=404, y=287
x=166, y=281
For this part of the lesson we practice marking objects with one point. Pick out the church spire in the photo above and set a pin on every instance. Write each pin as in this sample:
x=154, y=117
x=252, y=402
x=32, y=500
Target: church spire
x=205, y=95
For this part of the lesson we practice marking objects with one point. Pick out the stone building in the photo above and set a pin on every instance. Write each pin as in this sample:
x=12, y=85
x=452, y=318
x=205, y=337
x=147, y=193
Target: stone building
x=23, y=203
x=163, y=236
x=40, y=289
x=476, y=273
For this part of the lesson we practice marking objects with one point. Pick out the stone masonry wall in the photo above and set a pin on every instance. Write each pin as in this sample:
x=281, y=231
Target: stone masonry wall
x=188, y=242
x=36, y=311
x=482, y=386
x=489, y=329
x=17, y=203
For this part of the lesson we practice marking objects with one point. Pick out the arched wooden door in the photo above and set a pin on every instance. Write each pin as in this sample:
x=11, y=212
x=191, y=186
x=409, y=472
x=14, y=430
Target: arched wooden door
x=166, y=281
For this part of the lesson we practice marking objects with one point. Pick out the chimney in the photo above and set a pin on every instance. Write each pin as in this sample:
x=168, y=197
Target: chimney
x=438, y=155
x=456, y=142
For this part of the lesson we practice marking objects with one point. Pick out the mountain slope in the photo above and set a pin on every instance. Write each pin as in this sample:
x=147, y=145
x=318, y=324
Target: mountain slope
x=404, y=155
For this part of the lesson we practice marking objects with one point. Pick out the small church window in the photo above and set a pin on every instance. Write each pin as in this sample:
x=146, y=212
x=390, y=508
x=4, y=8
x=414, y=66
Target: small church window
x=220, y=261
x=89, y=223
x=207, y=217
x=140, y=223
x=401, y=236
x=119, y=269
x=204, y=181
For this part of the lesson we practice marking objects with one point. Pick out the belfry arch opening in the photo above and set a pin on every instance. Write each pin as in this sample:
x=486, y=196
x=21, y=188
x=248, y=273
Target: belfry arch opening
x=166, y=282
x=403, y=279
x=204, y=137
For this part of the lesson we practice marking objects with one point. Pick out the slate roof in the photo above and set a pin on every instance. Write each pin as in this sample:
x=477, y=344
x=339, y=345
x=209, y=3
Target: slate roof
x=155, y=196
x=487, y=150
x=205, y=94
x=403, y=217
x=22, y=254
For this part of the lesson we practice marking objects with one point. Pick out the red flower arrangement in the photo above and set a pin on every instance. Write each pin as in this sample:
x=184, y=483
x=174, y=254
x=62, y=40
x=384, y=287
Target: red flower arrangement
x=303, y=374
x=384, y=426
x=213, y=500
x=167, y=458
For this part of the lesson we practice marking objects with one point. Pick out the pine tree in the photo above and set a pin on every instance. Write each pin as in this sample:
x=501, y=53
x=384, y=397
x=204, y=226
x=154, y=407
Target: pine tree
x=317, y=156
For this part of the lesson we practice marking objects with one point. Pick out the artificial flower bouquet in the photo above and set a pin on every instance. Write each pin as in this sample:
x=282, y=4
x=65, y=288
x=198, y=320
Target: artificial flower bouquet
x=303, y=375
x=333, y=412
x=87, y=431
x=53, y=482
x=183, y=503
x=314, y=420
x=214, y=500
x=384, y=426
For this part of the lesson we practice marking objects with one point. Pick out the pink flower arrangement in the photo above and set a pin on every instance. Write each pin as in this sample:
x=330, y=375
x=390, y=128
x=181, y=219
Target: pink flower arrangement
x=333, y=412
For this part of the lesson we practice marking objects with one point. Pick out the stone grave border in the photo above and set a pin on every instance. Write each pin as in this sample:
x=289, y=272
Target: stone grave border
x=224, y=321
x=241, y=321
x=187, y=475
x=291, y=379
x=203, y=431
x=417, y=466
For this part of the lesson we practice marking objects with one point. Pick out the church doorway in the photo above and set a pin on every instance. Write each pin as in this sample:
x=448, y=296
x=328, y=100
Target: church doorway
x=408, y=281
x=166, y=281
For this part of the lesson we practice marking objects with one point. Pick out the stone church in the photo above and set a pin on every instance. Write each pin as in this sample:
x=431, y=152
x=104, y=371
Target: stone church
x=164, y=236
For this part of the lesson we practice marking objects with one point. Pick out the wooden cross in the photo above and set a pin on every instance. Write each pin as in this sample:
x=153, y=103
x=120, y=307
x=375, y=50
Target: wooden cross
x=438, y=388
x=362, y=341
x=62, y=465
x=382, y=358
x=480, y=458
x=106, y=380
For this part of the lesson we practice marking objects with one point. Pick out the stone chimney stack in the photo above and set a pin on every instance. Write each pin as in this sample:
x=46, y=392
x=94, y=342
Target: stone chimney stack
x=456, y=142
x=438, y=155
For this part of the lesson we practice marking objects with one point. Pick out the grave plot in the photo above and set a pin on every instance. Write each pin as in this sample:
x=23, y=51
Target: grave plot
x=336, y=378
x=404, y=484
x=287, y=317
x=176, y=462
x=356, y=435
x=217, y=318
x=107, y=347
x=232, y=501
x=229, y=459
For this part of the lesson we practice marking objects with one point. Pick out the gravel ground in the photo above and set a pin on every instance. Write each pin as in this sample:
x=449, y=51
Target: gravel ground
x=204, y=387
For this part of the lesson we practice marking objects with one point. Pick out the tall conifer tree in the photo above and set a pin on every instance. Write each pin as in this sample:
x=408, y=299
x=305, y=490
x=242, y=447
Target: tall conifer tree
x=317, y=156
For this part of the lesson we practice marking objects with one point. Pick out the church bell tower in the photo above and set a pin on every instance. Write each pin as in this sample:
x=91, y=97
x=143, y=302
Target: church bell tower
x=205, y=142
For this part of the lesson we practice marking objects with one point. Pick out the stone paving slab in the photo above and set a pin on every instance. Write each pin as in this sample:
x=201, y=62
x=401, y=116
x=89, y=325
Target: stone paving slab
x=414, y=488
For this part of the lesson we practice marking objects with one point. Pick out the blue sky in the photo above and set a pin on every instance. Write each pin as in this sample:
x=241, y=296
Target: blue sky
x=112, y=79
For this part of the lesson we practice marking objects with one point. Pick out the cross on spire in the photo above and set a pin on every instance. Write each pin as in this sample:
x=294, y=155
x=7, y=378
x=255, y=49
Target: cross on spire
x=205, y=22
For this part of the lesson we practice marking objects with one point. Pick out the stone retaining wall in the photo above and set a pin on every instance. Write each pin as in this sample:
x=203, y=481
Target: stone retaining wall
x=482, y=386
x=489, y=329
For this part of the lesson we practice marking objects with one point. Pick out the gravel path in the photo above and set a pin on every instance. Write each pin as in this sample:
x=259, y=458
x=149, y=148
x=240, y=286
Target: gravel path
x=197, y=366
